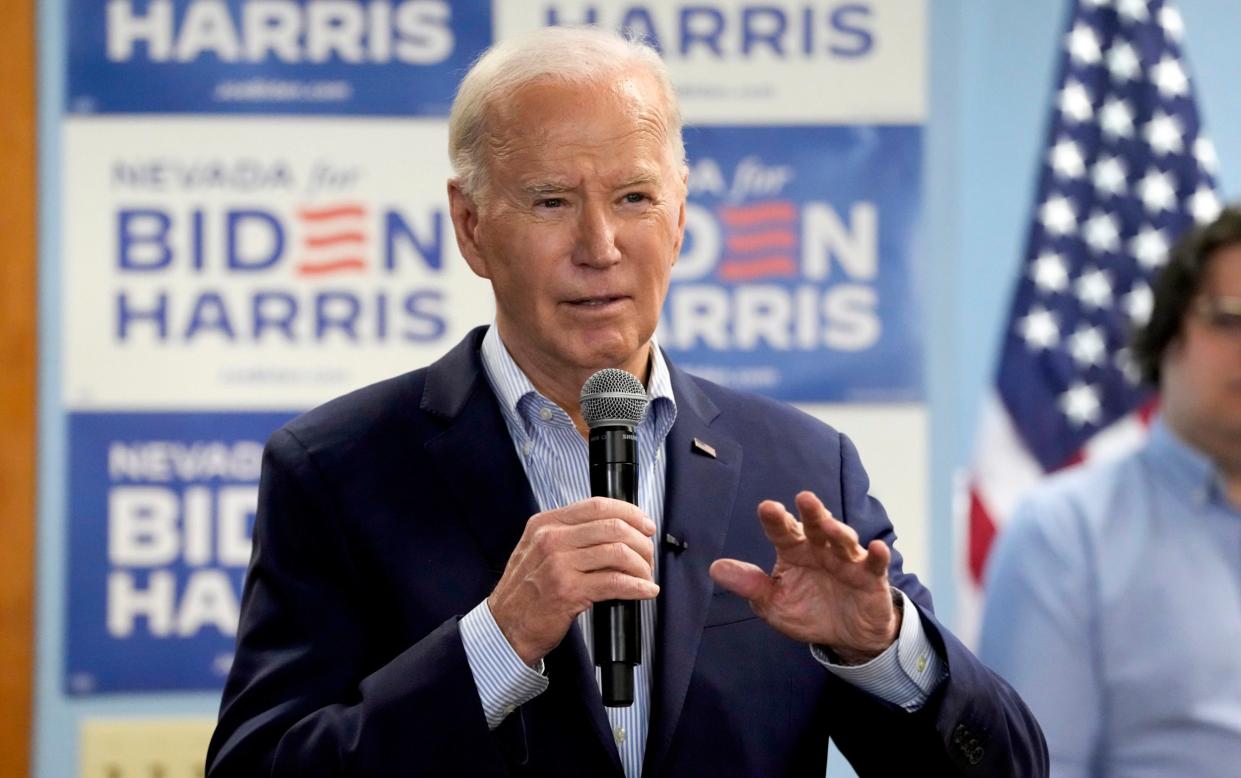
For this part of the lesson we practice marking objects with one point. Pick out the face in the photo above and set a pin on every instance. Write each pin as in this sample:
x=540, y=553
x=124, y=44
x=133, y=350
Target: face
x=1201, y=370
x=578, y=226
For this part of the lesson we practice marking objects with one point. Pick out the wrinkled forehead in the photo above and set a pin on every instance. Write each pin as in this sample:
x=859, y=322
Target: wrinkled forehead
x=550, y=116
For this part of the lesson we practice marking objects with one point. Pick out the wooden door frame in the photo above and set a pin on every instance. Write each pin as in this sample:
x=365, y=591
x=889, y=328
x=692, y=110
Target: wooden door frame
x=18, y=358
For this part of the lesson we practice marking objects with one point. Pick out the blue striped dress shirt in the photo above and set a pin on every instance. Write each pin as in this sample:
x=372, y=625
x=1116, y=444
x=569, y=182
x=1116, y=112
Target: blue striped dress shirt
x=555, y=458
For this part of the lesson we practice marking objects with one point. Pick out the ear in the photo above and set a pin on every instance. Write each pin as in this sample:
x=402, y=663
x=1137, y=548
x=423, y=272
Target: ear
x=465, y=219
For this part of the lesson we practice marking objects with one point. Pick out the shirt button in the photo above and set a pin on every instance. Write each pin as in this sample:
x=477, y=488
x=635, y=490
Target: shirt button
x=526, y=447
x=618, y=733
x=659, y=454
x=922, y=664
x=545, y=413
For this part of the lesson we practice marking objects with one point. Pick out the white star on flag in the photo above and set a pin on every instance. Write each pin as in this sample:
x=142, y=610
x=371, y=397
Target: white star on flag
x=1050, y=272
x=1204, y=152
x=1165, y=134
x=1158, y=191
x=1172, y=23
x=1080, y=404
x=1094, y=288
x=1122, y=63
x=1116, y=119
x=1150, y=247
x=1109, y=176
x=1084, y=45
x=1039, y=329
x=1170, y=78
x=1138, y=303
x=1066, y=159
x=1204, y=205
x=1087, y=346
x=1075, y=102
x=1133, y=10
x=1058, y=216
x=1101, y=232
x=1128, y=368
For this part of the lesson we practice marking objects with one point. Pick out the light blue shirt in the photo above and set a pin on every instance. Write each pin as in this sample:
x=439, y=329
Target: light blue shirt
x=555, y=458
x=1114, y=608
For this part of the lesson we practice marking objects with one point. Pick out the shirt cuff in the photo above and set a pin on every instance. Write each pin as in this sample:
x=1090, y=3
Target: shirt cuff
x=503, y=680
x=906, y=672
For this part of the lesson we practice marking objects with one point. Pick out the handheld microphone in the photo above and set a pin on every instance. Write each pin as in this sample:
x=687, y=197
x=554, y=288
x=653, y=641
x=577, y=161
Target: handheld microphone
x=613, y=403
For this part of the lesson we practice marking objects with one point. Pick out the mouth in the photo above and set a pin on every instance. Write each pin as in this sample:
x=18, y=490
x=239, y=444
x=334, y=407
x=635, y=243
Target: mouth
x=596, y=301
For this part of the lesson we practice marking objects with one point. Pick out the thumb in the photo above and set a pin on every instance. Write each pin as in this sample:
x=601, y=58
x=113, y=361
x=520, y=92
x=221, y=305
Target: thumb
x=742, y=578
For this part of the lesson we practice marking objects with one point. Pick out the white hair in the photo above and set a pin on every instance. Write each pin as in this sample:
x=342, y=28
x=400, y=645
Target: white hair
x=571, y=55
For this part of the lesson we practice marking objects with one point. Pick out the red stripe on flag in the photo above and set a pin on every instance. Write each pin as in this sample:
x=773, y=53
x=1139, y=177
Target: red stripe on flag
x=1147, y=412
x=982, y=535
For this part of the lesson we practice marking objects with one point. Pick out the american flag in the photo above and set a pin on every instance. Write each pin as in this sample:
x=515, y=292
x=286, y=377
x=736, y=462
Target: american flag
x=1127, y=170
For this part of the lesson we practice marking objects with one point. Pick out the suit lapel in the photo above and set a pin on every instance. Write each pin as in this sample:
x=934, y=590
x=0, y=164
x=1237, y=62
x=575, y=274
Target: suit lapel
x=474, y=456
x=477, y=464
x=704, y=466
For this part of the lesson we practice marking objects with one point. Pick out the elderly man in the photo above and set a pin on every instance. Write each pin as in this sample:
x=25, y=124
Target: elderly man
x=425, y=547
x=1114, y=598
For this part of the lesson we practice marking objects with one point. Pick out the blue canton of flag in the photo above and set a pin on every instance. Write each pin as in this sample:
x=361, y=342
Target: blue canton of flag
x=1125, y=173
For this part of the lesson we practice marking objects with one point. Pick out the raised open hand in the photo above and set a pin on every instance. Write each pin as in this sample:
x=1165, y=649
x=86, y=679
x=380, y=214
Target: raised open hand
x=825, y=588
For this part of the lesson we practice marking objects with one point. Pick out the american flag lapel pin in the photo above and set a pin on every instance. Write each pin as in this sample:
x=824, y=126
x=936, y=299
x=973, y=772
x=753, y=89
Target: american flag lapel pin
x=704, y=448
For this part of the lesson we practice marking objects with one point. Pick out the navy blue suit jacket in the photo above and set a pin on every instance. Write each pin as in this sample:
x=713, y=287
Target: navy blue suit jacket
x=387, y=514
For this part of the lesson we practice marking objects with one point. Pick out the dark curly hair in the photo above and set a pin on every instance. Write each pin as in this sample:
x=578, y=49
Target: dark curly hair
x=1178, y=284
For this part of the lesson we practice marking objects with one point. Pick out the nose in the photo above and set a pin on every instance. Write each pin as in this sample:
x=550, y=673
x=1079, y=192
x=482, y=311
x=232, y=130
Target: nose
x=596, y=237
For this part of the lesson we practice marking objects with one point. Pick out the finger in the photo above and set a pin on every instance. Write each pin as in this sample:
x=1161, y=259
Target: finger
x=878, y=557
x=609, y=556
x=743, y=579
x=603, y=531
x=823, y=529
x=597, y=508
x=614, y=585
x=780, y=527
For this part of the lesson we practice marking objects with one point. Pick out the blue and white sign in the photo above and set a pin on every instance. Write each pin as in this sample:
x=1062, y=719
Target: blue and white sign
x=378, y=57
x=218, y=263
x=160, y=519
x=767, y=62
x=797, y=276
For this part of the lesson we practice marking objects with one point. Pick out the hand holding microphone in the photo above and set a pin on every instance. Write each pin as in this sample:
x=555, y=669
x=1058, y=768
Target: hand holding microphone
x=592, y=551
x=613, y=404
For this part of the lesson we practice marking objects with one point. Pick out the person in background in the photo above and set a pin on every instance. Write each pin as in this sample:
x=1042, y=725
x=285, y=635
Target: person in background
x=1114, y=597
x=426, y=549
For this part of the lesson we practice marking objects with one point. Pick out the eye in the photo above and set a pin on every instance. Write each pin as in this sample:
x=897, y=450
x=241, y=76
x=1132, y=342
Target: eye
x=1226, y=321
x=551, y=202
x=635, y=197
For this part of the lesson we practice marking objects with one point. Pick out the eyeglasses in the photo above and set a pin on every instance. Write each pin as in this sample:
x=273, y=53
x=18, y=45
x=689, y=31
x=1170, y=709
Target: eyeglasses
x=1222, y=314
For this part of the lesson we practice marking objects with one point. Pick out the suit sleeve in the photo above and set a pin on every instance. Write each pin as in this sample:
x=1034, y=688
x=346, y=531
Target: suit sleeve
x=305, y=696
x=973, y=724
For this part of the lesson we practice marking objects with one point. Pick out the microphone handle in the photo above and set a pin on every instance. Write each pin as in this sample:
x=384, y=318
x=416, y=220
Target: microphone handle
x=617, y=634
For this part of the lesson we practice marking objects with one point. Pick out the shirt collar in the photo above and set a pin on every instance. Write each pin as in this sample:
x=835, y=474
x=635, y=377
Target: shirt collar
x=1189, y=470
x=512, y=385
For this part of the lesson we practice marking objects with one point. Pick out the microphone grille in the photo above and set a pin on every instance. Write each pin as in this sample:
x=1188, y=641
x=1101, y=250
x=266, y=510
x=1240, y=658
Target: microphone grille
x=611, y=397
